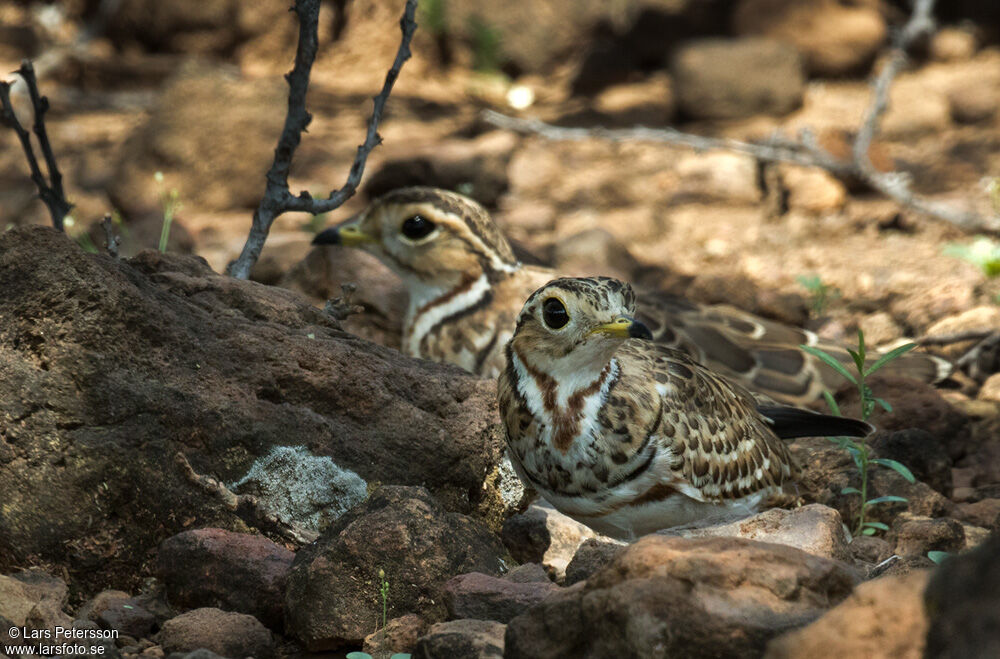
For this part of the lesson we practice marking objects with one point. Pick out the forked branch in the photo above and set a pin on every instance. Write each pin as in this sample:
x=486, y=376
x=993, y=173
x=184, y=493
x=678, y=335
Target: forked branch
x=278, y=198
x=805, y=150
x=49, y=191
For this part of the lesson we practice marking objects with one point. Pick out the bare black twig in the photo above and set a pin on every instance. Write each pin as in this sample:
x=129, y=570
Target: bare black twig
x=51, y=191
x=277, y=197
x=805, y=150
x=110, y=239
x=247, y=507
x=343, y=307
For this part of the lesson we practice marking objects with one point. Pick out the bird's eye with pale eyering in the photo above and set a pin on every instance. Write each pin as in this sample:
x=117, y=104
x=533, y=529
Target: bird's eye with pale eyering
x=417, y=227
x=554, y=313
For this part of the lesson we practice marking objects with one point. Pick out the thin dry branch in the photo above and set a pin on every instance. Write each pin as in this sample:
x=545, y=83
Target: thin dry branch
x=247, y=507
x=277, y=197
x=112, y=241
x=805, y=150
x=50, y=192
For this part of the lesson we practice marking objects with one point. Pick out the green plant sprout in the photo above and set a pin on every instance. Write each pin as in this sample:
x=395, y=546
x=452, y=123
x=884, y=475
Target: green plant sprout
x=983, y=252
x=171, y=203
x=485, y=46
x=938, y=556
x=435, y=16
x=858, y=449
x=820, y=293
x=383, y=591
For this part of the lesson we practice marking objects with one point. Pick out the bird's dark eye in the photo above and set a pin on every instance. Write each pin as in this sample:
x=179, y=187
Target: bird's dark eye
x=417, y=227
x=554, y=313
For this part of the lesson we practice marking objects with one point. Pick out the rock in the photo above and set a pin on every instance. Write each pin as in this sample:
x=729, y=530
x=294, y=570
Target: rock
x=398, y=636
x=589, y=559
x=990, y=390
x=973, y=104
x=483, y=597
x=915, y=535
x=332, y=590
x=719, y=176
x=196, y=136
x=815, y=529
x=834, y=38
x=953, y=44
x=914, y=405
x=921, y=452
x=985, y=513
x=542, y=534
x=477, y=168
x=241, y=369
x=977, y=319
x=463, y=639
x=826, y=470
x=113, y=609
x=683, y=597
x=222, y=632
x=528, y=573
x=191, y=27
x=649, y=102
x=870, y=549
x=813, y=190
x=231, y=571
x=963, y=605
x=34, y=600
x=914, y=110
x=734, y=78
x=594, y=250
x=882, y=619
x=201, y=653
x=880, y=328
x=94, y=642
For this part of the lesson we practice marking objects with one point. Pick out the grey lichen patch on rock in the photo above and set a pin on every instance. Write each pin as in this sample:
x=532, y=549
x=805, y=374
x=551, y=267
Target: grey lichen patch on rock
x=300, y=487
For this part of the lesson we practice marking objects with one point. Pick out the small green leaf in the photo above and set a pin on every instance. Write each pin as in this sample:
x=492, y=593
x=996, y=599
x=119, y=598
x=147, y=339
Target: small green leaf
x=834, y=408
x=876, y=525
x=885, y=499
x=889, y=356
x=938, y=556
x=885, y=405
x=850, y=490
x=358, y=655
x=868, y=531
x=896, y=466
x=859, y=361
x=829, y=361
x=861, y=346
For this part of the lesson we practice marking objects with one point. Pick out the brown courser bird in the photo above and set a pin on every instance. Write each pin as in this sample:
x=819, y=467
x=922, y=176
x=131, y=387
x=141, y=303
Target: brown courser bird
x=628, y=436
x=466, y=288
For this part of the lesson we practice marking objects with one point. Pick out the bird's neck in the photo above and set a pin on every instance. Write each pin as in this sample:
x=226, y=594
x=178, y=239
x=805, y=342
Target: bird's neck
x=433, y=303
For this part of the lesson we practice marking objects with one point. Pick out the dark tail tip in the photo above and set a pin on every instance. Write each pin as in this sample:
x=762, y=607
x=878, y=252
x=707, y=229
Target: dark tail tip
x=792, y=422
x=329, y=236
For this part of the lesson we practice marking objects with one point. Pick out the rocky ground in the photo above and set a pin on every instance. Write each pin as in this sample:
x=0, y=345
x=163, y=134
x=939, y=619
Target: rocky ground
x=123, y=381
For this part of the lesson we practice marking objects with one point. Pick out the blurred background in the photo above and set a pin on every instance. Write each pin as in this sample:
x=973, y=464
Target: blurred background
x=175, y=107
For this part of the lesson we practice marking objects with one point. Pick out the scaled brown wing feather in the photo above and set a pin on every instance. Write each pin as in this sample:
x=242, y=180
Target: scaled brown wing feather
x=764, y=355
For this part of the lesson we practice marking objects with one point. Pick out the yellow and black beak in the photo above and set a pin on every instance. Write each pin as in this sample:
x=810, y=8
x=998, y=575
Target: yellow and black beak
x=348, y=234
x=624, y=327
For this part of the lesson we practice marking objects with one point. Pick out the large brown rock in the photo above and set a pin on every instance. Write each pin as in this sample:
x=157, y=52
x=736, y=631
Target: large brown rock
x=882, y=619
x=730, y=79
x=834, y=37
x=212, y=135
x=963, y=605
x=224, y=633
x=706, y=597
x=333, y=589
x=108, y=369
x=231, y=571
x=462, y=639
x=484, y=597
x=194, y=26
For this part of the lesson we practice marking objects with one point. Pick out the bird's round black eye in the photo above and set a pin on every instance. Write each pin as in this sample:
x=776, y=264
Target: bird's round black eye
x=417, y=227
x=554, y=313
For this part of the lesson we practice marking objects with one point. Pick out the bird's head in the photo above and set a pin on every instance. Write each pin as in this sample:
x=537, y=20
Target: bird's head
x=430, y=237
x=576, y=325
